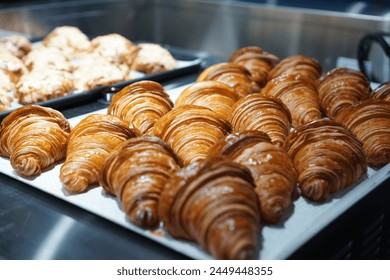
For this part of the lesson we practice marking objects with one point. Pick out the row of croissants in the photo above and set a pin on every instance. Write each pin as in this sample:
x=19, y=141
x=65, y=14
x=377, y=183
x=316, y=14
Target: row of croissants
x=236, y=148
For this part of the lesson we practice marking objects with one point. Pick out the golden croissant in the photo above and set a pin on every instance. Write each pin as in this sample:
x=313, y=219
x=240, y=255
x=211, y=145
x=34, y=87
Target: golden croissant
x=369, y=120
x=341, y=88
x=216, y=96
x=232, y=74
x=141, y=103
x=272, y=169
x=136, y=172
x=34, y=138
x=214, y=203
x=327, y=156
x=262, y=113
x=382, y=92
x=191, y=131
x=258, y=62
x=297, y=65
x=299, y=94
x=90, y=143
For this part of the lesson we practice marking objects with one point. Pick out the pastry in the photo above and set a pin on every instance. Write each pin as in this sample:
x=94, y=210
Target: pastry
x=262, y=113
x=37, y=86
x=152, y=58
x=136, y=172
x=90, y=143
x=297, y=65
x=272, y=170
x=115, y=48
x=91, y=70
x=34, y=138
x=369, y=120
x=382, y=92
x=214, y=203
x=232, y=74
x=299, y=94
x=69, y=39
x=327, y=156
x=258, y=62
x=191, y=131
x=18, y=45
x=214, y=95
x=41, y=58
x=341, y=88
x=5, y=99
x=12, y=66
x=141, y=103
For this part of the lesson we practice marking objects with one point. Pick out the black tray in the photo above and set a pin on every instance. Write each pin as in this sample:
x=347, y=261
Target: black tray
x=194, y=60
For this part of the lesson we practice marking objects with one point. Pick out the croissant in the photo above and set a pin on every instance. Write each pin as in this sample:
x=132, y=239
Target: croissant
x=258, y=62
x=214, y=203
x=297, y=65
x=262, y=113
x=299, y=94
x=136, y=172
x=191, y=131
x=327, y=156
x=90, y=143
x=341, y=88
x=382, y=92
x=272, y=169
x=34, y=138
x=216, y=96
x=232, y=74
x=141, y=103
x=369, y=120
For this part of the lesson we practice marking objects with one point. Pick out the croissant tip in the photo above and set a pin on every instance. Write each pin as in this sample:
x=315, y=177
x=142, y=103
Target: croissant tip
x=75, y=184
x=317, y=190
x=26, y=165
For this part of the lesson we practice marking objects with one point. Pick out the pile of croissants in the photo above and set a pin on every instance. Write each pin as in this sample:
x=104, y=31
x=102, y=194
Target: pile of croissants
x=231, y=154
x=67, y=61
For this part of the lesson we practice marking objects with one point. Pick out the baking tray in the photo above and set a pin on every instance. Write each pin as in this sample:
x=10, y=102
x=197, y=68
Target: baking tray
x=188, y=62
x=304, y=220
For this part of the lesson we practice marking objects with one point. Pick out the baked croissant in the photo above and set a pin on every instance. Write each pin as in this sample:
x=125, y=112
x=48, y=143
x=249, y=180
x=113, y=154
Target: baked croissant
x=297, y=65
x=272, y=170
x=34, y=138
x=136, y=173
x=216, y=96
x=141, y=103
x=341, y=88
x=327, y=156
x=262, y=113
x=299, y=94
x=232, y=74
x=214, y=203
x=382, y=92
x=191, y=131
x=90, y=143
x=369, y=120
x=258, y=62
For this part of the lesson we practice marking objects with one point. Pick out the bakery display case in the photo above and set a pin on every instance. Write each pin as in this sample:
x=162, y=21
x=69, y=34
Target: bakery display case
x=215, y=42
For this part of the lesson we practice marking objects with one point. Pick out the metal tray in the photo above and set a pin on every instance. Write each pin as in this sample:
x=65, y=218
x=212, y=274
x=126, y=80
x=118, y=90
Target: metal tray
x=188, y=62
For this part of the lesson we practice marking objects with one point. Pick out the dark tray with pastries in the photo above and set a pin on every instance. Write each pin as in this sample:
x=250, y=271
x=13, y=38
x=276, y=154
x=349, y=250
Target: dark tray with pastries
x=41, y=71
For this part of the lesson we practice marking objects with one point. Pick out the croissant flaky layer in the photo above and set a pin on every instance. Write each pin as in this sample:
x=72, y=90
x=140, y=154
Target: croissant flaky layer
x=341, y=88
x=271, y=167
x=136, y=172
x=382, y=92
x=327, y=156
x=369, y=120
x=90, y=143
x=262, y=113
x=214, y=95
x=141, y=103
x=214, y=203
x=191, y=131
x=299, y=94
x=34, y=137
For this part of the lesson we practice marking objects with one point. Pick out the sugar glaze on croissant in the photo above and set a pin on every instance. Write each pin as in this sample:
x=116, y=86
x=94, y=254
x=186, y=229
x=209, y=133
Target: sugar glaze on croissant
x=34, y=137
